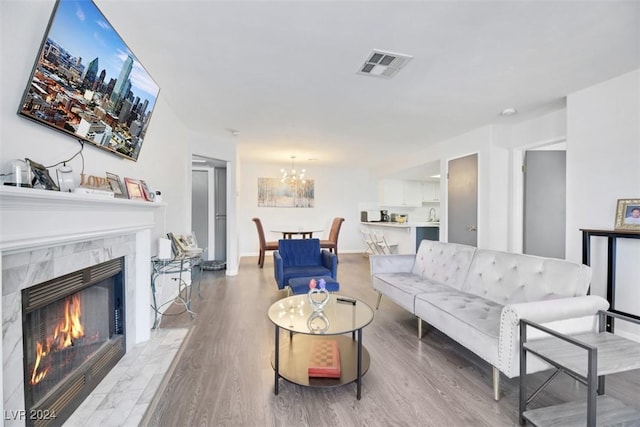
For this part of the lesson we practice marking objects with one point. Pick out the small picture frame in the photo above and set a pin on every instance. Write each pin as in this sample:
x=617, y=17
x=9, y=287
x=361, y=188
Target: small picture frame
x=116, y=185
x=134, y=189
x=148, y=194
x=628, y=214
x=41, y=176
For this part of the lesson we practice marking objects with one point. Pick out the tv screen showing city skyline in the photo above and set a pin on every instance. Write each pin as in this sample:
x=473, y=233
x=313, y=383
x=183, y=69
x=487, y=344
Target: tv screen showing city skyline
x=88, y=84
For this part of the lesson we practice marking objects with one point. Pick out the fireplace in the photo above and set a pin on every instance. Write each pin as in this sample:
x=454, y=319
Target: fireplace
x=73, y=334
x=67, y=233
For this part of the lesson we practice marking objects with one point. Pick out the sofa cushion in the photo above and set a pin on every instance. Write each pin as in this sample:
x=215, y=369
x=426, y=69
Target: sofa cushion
x=471, y=320
x=446, y=263
x=509, y=278
x=305, y=271
x=403, y=287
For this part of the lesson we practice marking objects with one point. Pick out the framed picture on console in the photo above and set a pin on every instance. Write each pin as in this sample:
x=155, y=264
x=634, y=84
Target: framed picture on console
x=116, y=185
x=628, y=214
x=134, y=189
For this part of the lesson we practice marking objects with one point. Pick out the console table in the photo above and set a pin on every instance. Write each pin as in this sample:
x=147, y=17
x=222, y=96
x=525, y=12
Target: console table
x=612, y=236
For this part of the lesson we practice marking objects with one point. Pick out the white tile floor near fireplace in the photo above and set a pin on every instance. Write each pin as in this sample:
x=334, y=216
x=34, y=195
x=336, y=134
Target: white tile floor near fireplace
x=45, y=234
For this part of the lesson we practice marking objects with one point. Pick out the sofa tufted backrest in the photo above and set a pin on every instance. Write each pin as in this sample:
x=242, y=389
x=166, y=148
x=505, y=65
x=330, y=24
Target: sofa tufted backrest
x=446, y=263
x=299, y=252
x=509, y=278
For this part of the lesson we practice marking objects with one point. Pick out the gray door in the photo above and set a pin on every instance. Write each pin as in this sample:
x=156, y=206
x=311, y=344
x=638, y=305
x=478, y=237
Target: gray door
x=462, y=196
x=200, y=206
x=220, y=208
x=545, y=203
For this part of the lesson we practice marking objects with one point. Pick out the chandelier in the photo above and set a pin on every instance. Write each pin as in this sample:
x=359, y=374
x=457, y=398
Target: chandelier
x=293, y=175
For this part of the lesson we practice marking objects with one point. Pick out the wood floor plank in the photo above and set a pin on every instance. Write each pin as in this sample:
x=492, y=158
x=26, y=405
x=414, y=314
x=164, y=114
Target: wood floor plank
x=224, y=376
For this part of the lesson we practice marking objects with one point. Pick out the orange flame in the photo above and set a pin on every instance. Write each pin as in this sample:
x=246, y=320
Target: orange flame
x=69, y=328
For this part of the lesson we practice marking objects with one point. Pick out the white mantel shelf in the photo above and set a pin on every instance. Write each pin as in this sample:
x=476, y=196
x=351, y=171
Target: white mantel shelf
x=32, y=218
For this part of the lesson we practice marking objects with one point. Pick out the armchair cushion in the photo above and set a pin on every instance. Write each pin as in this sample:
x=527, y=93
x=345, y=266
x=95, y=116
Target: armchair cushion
x=302, y=258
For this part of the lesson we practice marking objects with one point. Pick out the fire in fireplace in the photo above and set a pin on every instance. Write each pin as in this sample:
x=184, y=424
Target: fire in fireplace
x=73, y=334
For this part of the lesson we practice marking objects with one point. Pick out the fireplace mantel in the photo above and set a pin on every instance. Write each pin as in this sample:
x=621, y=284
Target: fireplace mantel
x=32, y=218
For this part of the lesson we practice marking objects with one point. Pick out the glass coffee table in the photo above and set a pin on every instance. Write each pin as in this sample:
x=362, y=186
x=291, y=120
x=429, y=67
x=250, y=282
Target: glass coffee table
x=342, y=315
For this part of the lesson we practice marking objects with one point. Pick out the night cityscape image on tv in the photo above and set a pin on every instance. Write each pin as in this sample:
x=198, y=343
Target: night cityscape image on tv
x=86, y=82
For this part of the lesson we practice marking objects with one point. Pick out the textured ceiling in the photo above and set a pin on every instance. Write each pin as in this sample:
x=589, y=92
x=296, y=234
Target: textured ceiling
x=284, y=73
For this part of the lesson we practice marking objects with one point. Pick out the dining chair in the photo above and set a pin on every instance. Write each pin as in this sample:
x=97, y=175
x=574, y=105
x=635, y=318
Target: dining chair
x=332, y=242
x=384, y=246
x=264, y=245
x=371, y=248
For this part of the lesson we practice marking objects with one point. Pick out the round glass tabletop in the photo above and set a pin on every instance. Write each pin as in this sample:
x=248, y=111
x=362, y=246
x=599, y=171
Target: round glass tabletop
x=296, y=314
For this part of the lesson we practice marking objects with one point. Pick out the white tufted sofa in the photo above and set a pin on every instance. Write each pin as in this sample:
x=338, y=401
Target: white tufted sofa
x=477, y=297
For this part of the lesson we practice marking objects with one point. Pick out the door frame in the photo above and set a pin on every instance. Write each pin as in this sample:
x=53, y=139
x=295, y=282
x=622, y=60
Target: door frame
x=517, y=194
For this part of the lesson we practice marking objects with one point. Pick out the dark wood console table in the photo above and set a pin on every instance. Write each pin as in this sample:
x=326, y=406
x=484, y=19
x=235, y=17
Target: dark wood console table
x=612, y=236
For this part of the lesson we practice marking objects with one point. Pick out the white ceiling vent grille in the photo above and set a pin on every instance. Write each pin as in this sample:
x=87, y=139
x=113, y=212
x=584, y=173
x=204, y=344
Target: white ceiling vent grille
x=384, y=64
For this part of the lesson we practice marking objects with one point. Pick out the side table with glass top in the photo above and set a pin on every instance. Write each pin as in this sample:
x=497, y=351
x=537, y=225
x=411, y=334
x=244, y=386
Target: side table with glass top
x=342, y=315
x=183, y=264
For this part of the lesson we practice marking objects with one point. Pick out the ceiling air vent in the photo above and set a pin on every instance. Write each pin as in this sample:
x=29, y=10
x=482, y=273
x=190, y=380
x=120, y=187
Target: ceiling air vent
x=384, y=64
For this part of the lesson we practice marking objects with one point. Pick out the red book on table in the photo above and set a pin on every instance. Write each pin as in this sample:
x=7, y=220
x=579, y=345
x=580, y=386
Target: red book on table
x=324, y=361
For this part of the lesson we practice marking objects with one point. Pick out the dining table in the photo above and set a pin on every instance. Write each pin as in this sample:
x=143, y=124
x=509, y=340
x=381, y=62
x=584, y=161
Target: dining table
x=288, y=231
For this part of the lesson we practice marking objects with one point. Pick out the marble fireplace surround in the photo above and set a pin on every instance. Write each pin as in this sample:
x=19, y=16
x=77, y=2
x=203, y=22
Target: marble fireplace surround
x=46, y=234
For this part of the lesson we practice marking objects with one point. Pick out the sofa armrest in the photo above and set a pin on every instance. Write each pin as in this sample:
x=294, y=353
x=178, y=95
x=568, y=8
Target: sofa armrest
x=330, y=261
x=391, y=263
x=278, y=269
x=567, y=315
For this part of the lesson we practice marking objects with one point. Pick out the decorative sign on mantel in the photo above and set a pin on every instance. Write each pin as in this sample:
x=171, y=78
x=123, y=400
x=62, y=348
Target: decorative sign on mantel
x=278, y=193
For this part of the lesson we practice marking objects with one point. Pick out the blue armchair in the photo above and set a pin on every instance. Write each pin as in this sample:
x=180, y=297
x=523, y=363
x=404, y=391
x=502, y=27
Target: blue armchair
x=302, y=258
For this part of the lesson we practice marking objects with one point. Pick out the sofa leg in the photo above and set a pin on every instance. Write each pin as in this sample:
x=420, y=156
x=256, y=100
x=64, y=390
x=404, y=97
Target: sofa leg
x=379, y=298
x=419, y=328
x=496, y=383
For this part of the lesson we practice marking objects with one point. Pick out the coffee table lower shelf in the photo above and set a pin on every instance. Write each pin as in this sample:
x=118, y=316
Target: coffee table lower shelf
x=294, y=360
x=610, y=412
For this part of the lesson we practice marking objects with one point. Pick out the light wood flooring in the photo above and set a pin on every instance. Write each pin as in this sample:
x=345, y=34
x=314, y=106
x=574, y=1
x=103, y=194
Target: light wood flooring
x=223, y=376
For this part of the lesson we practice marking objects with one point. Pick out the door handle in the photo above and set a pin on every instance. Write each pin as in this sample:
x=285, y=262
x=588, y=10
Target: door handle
x=472, y=228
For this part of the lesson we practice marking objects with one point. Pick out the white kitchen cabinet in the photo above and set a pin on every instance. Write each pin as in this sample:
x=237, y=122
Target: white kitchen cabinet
x=396, y=192
x=411, y=193
x=431, y=192
x=391, y=192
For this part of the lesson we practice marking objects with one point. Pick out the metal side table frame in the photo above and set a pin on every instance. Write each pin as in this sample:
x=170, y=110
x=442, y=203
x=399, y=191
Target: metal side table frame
x=183, y=264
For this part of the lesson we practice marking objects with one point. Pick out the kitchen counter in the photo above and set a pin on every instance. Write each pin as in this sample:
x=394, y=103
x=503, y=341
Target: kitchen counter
x=403, y=224
x=407, y=236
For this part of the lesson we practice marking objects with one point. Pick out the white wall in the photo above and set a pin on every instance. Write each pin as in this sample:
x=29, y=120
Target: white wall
x=493, y=170
x=338, y=192
x=163, y=156
x=603, y=165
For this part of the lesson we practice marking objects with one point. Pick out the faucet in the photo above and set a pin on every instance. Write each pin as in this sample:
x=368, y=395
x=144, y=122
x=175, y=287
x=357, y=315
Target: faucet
x=432, y=214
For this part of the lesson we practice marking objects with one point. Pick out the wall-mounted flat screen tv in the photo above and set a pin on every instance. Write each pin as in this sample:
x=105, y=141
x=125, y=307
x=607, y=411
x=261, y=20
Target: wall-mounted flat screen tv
x=88, y=84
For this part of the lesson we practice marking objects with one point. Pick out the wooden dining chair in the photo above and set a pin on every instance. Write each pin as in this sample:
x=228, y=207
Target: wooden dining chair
x=264, y=245
x=332, y=242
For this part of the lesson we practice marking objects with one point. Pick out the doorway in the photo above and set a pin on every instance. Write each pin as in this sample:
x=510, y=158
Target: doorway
x=209, y=206
x=462, y=197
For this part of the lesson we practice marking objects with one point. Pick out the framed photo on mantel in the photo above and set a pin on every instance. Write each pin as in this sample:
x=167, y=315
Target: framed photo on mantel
x=115, y=183
x=134, y=189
